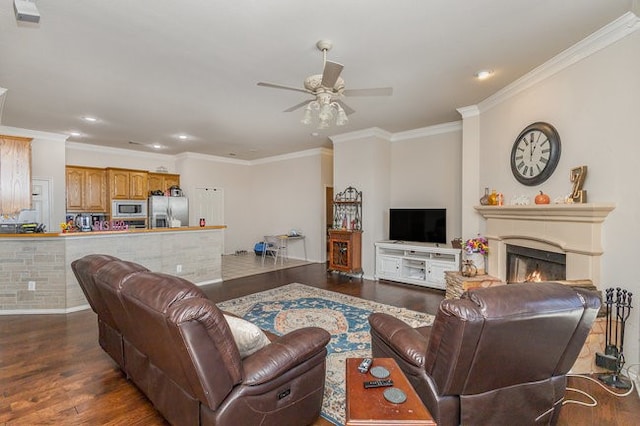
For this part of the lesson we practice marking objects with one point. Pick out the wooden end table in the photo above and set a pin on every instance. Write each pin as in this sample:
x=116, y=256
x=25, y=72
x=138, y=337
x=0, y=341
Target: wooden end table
x=368, y=407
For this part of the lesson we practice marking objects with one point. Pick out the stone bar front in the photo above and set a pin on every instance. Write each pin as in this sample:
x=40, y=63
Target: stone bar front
x=36, y=275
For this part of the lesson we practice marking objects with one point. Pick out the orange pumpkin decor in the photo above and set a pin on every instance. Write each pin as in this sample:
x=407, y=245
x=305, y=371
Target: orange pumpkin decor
x=542, y=198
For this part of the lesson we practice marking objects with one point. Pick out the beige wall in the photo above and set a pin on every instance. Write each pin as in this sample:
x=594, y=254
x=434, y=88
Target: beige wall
x=594, y=104
x=362, y=160
x=426, y=173
x=420, y=168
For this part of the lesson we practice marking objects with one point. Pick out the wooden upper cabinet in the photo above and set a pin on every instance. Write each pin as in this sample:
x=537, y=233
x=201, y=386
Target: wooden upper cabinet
x=15, y=174
x=86, y=189
x=96, y=190
x=138, y=185
x=162, y=181
x=127, y=184
x=75, y=188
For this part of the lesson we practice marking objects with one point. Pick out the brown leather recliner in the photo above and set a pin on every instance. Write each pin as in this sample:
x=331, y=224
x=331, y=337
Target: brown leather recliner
x=109, y=335
x=496, y=356
x=179, y=350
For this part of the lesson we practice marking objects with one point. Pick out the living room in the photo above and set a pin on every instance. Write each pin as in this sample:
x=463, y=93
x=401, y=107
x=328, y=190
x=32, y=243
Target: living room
x=589, y=93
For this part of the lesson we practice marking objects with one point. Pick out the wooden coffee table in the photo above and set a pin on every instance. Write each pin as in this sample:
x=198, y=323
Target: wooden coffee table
x=368, y=407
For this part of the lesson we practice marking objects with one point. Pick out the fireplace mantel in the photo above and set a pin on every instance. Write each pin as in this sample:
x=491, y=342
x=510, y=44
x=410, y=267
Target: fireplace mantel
x=572, y=229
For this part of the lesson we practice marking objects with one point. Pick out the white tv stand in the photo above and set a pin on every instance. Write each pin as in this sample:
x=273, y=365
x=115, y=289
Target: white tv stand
x=415, y=263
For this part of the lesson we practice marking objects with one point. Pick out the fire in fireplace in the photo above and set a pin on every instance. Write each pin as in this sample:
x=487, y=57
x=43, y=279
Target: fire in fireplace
x=526, y=264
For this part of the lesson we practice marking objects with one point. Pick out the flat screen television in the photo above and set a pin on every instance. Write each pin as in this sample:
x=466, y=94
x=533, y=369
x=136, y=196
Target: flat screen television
x=418, y=225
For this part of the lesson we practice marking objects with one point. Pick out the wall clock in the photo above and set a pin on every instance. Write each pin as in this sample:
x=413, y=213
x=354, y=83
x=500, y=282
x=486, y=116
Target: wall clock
x=535, y=154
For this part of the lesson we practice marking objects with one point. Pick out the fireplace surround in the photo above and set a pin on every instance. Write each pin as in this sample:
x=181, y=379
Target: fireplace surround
x=572, y=230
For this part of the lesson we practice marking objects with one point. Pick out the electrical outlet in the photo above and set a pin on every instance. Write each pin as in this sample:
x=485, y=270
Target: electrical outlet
x=31, y=285
x=178, y=269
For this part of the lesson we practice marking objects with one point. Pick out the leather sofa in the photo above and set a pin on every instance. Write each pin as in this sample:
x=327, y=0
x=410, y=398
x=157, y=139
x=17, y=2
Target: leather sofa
x=178, y=349
x=497, y=356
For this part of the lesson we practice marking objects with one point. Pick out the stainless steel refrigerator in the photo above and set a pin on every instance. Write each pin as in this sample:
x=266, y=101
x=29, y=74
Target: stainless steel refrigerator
x=165, y=212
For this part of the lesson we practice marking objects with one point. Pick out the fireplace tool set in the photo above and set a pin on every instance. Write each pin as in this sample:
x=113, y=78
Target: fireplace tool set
x=618, y=308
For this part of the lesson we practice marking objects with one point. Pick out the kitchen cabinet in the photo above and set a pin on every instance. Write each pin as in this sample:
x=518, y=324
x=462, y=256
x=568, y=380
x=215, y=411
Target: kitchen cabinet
x=15, y=174
x=162, y=181
x=86, y=189
x=125, y=184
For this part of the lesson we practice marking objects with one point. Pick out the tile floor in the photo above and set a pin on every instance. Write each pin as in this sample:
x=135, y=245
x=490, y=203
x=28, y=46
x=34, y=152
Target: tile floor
x=244, y=264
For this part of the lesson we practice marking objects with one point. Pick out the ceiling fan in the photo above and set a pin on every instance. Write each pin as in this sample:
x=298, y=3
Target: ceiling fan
x=327, y=90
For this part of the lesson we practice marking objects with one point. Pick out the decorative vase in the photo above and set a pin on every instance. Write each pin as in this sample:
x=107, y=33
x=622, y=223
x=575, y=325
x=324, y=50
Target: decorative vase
x=478, y=261
x=493, y=198
x=469, y=269
x=484, y=201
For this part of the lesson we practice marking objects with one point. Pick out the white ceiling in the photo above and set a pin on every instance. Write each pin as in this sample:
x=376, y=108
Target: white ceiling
x=150, y=70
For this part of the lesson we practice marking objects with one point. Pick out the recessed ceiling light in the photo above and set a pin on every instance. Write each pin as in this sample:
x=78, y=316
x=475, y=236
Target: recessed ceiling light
x=90, y=119
x=157, y=146
x=482, y=74
x=315, y=134
x=75, y=133
x=182, y=137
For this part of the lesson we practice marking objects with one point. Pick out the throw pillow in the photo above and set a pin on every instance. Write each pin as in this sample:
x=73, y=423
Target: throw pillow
x=249, y=338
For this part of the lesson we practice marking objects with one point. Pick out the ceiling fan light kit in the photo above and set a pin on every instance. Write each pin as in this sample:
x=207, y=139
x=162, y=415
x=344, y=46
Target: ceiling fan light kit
x=328, y=89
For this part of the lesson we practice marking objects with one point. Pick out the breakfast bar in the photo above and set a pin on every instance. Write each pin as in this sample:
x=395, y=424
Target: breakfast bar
x=36, y=277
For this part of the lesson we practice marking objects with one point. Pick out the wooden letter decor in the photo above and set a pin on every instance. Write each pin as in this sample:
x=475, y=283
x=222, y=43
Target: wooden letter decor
x=577, y=176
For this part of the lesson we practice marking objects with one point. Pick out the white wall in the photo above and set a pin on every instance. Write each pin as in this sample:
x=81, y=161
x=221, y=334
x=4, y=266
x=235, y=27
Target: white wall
x=418, y=168
x=79, y=154
x=362, y=160
x=426, y=173
x=595, y=106
x=289, y=194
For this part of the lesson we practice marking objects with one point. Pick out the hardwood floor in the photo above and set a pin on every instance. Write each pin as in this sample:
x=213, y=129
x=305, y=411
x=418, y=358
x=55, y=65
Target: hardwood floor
x=52, y=370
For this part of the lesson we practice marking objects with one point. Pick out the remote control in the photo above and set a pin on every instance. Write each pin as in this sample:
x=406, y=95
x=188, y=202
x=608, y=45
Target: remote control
x=378, y=383
x=364, y=365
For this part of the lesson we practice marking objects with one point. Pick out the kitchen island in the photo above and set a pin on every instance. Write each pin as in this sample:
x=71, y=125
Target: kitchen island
x=35, y=269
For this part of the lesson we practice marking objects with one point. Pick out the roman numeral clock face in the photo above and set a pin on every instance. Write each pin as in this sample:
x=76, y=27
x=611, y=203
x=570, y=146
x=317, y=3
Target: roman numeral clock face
x=535, y=154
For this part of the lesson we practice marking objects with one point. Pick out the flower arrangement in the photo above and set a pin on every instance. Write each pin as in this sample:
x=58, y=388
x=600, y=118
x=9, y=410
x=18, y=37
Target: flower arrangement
x=477, y=245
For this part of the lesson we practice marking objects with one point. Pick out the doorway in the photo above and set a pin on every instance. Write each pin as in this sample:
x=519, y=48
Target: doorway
x=328, y=215
x=41, y=201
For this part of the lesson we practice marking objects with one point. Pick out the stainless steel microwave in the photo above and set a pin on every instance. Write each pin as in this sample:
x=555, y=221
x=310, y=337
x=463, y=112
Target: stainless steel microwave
x=129, y=208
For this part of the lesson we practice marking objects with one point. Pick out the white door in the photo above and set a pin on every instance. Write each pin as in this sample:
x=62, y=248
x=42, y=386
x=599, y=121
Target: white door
x=209, y=205
x=41, y=201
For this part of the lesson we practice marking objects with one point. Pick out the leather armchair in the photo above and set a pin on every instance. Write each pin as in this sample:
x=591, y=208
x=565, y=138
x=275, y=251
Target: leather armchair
x=180, y=352
x=496, y=356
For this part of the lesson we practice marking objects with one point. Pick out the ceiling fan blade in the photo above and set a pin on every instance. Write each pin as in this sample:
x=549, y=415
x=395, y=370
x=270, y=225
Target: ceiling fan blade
x=280, y=86
x=295, y=107
x=331, y=73
x=379, y=91
x=347, y=109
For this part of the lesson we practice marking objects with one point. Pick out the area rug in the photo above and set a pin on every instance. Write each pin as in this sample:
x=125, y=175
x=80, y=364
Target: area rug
x=294, y=306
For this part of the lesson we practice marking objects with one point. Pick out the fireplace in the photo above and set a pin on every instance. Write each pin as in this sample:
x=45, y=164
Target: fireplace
x=571, y=230
x=525, y=264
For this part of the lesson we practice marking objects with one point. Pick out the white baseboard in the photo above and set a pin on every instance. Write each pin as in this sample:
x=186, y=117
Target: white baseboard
x=43, y=311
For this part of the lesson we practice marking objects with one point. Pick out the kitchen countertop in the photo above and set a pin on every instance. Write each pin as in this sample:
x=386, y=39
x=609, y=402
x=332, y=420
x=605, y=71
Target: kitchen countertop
x=99, y=233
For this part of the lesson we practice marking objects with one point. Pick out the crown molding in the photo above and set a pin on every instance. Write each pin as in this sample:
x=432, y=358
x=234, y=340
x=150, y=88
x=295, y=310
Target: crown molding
x=604, y=37
x=207, y=157
x=290, y=156
x=293, y=155
x=438, y=129
x=469, y=111
x=34, y=134
x=361, y=134
x=118, y=151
